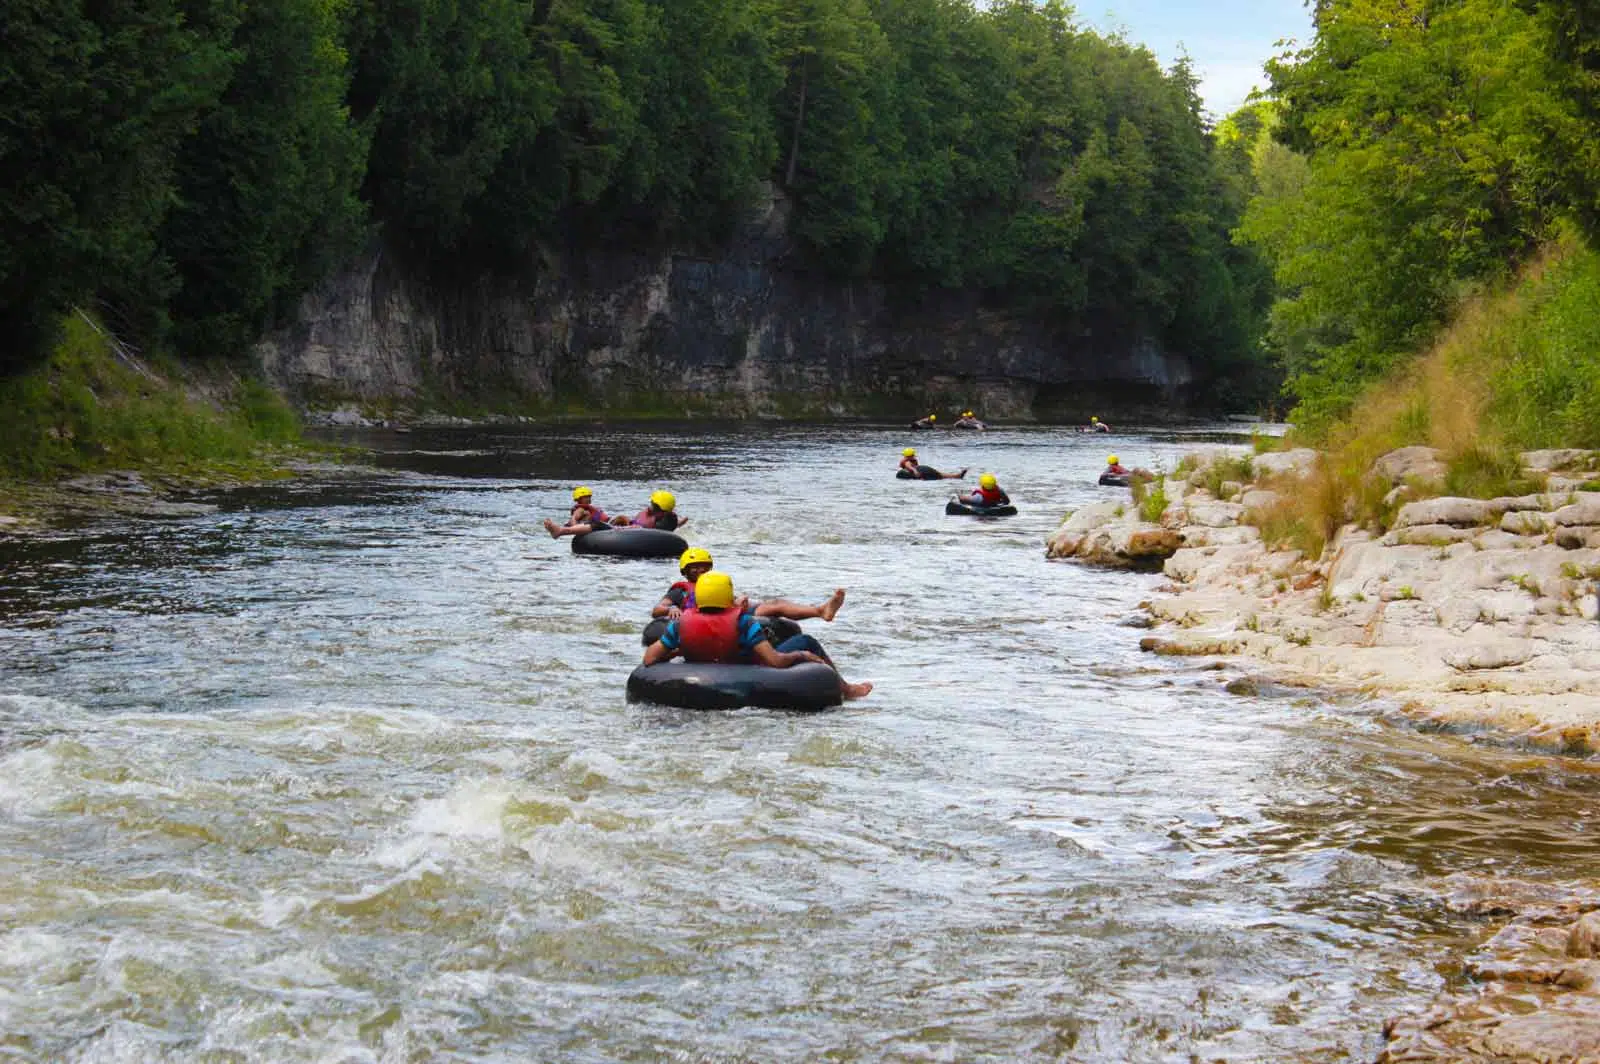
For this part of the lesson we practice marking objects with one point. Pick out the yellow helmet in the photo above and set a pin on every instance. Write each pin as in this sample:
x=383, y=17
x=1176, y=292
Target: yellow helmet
x=581, y=493
x=713, y=590
x=933, y=417
x=988, y=481
x=909, y=452
x=1092, y=418
x=693, y=556
x=1111, y=459
x=663, y=500
x=966, y=413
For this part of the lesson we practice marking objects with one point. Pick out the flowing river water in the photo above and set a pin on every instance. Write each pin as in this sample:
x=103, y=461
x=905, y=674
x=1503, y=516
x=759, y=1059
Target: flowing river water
x=344, y=772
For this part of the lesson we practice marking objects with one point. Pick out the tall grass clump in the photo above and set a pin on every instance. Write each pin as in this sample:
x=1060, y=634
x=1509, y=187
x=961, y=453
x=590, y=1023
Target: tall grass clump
x=1150, y=496
x=90, y=407
x=1226, y=468
x=1544, y=359
x=1480, y=473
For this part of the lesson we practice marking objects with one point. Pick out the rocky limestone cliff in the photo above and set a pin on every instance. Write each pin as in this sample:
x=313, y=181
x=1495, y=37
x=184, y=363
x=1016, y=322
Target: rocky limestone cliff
x=745, y=332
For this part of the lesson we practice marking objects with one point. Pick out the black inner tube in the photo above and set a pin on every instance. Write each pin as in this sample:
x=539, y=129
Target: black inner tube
x=696, y=685
x=630, y=543
x=1114, y=480
x=956, y=506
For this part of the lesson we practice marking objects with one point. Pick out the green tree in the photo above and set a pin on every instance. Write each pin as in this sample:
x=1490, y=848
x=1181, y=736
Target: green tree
x=1438, y=138
x=447, y=87
x=705, y=135
x=829, y=112
x=96, y=99
x=267, y=183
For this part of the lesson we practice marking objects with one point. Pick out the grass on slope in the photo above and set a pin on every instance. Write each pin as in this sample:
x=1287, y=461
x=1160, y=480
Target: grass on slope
x=1517, y=369
x=93, y=407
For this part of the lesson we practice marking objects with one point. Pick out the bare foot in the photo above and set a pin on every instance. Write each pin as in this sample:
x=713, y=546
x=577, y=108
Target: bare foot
x=853, y=691
x=831, y=607
x=552, y=528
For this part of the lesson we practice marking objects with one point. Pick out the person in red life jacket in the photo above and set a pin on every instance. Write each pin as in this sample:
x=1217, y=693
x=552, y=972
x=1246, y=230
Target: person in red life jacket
x=1116, y=468
x=988, y=493
x=585, y=517
x=918, y=471
x=1095, y=425
x=715, y=630
x=696, y=562
x=661, y=513
x=968, y=421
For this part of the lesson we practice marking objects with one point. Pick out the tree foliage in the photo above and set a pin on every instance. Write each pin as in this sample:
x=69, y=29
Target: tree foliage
x=96, y=102
x=1441, y=140
x=199, y=163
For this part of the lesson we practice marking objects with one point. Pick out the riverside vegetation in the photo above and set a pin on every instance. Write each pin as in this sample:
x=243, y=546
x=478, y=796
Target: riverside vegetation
x=95, y=406
x=1422, y=557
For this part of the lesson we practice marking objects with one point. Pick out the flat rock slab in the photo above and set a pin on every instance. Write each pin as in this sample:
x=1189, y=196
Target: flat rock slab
x=1585, y=511
x=1298, y=462
x=1430, y=535
x=1498, y=654
x=1411, y=463
x=1259, y=499
x=1448, y=510
x=108, y=484
x=1558, y=458
x=1213, y=514
x=1526, y=523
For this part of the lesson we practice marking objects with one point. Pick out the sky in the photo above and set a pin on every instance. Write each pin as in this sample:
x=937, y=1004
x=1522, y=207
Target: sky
x=1227, y=40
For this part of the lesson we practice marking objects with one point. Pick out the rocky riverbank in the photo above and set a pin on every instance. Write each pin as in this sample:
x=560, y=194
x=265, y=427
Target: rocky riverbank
x=1472, y=614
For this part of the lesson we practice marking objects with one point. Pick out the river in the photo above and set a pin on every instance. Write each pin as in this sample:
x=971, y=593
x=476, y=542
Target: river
x=344, y=772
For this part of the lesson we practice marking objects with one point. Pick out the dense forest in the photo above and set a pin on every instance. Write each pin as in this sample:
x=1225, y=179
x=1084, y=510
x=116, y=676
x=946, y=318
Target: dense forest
x=187, y=168
x=1414, y=153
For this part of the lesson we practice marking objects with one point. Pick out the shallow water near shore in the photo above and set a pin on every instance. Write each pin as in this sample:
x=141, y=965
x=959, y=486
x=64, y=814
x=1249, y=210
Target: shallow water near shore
x=344, y=771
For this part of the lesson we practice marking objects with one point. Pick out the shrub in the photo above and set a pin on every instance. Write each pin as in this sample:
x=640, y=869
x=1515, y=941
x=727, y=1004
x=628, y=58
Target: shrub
x=1482, y=473
x=1151, y=499
x=1224, y=469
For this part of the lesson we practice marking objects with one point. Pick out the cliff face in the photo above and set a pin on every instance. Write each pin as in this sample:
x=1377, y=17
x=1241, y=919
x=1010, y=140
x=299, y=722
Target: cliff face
x=743, y=330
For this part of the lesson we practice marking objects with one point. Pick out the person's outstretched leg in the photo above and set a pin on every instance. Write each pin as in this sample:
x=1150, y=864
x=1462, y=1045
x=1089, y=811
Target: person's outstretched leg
x=795, y=611
x=849, y=691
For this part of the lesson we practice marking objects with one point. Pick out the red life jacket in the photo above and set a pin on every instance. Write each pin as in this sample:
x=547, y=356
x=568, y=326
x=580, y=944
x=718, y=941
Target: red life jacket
x=989, y=497
x=688, y=593
x=710, y=637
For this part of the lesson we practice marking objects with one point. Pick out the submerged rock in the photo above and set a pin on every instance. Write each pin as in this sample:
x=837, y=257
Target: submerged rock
x=1532, y=998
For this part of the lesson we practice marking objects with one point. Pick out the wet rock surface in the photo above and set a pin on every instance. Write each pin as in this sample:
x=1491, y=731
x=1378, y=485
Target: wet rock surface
x=1470, y=613
x=1532, y=993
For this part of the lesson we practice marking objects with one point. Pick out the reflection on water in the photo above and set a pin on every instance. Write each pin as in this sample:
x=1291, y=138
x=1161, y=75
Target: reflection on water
x=344, y=772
